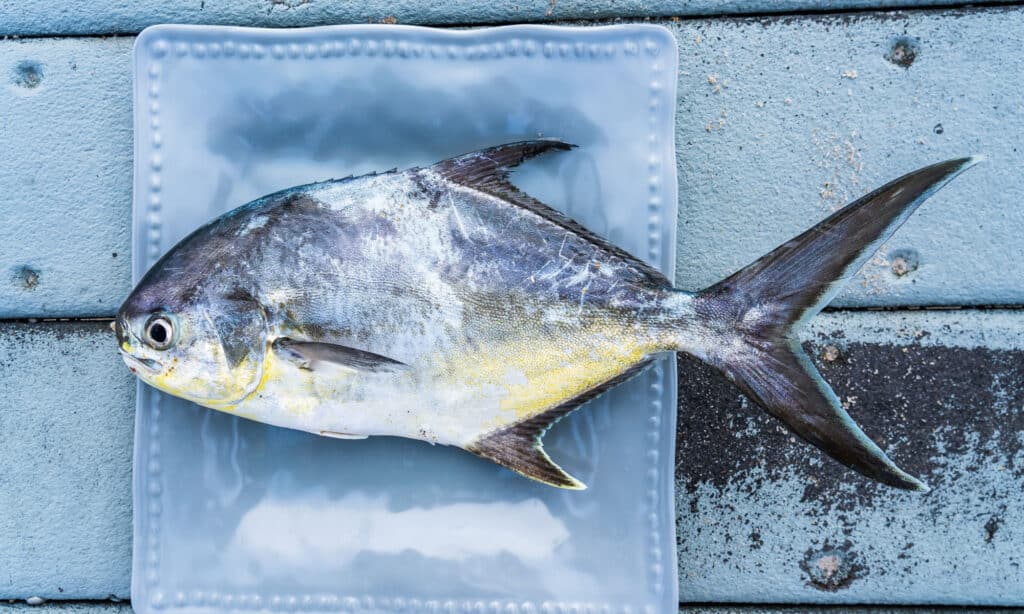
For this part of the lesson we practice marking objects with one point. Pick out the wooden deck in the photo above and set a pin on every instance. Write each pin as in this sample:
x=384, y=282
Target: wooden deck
x=782, y=117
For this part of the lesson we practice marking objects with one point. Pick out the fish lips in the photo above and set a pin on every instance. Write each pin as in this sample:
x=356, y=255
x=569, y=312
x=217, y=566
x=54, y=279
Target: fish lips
x=146, y=364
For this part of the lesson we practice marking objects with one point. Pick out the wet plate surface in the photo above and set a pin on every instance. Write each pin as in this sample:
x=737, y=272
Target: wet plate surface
x=234, y=515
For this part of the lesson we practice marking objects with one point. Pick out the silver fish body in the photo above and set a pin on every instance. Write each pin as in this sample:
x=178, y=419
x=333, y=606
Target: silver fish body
x=443, y=304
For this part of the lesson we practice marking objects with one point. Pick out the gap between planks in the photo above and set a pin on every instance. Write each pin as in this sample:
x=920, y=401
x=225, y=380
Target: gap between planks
x=833, y=310
x=898, y=6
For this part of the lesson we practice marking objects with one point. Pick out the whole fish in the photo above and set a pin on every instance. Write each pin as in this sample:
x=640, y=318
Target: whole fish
x=444, y=304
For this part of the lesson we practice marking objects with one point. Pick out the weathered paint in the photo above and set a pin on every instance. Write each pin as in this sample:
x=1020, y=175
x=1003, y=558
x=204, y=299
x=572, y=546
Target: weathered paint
x=38, y=17
x=746, y=531
x=783, y=120
x=65, y=176
x=778, y=609
x=65, y=486
x=66, y=607
x=774, y=521
x=781, y=139
x=58, y=223
x=100, y=607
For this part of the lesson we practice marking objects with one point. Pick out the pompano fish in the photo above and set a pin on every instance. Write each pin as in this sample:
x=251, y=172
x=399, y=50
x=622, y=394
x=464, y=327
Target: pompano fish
x=444, y=304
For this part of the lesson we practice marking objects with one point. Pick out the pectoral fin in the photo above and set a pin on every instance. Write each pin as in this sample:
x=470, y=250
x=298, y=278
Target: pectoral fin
x=311, y=354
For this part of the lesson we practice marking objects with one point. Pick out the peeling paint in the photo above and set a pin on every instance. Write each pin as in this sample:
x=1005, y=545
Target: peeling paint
x=65, y=490
x=831, y=568
x=952, y=415
x=28, y=74
x=904, y=261
x=932, y=403
x=802, y=140
x=903, y=51
x=26, y=277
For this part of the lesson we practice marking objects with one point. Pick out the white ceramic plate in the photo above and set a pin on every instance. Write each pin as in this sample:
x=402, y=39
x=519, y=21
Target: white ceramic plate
x=235, y=515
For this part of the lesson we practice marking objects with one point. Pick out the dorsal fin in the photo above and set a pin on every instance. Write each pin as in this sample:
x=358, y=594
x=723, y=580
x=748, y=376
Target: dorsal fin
x=519, y=447
x=487, y=170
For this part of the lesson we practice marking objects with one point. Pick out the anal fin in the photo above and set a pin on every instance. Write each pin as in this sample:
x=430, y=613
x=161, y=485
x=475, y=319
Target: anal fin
x=519, y=447
x=521, y=450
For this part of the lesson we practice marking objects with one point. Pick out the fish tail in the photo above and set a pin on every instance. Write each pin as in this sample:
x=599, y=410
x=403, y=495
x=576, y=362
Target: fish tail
x=747, y=324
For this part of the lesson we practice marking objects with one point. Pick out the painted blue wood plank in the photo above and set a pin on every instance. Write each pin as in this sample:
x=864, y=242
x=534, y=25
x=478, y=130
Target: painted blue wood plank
x=766, y=146
x=770, y=520
x=756, y=609
x=72, y=607
x=782, y=121
x=760, y=517
x=93, y=607
x=65, y=485
x=65, y=176
x=38, y=17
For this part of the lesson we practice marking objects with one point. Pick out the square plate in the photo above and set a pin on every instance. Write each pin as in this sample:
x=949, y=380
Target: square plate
x=235, y=515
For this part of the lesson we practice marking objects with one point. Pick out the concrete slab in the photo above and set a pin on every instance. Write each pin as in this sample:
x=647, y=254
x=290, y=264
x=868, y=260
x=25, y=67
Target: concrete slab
x=772, y=520
x=66, y=419
x=66, y=172
x=780, y=121
x=760, y=517
x=783, y=120
x=37, y=17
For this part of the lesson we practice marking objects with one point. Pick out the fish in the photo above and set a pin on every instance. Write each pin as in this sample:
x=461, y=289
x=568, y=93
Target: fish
x=442, y=303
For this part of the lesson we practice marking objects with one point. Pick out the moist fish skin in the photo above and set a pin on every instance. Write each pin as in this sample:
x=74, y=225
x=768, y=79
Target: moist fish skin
x=442, y=303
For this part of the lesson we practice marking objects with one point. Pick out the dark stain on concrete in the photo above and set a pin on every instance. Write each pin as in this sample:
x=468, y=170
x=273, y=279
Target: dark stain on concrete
x=903, y=51
x=286, y=4
x=26, y=277
x=921, y=404
x=25, y=334
x=28, y=74
x=831, y=568
x=904, y=261
x=992, y=527
x=755, y=540
x=830, y=353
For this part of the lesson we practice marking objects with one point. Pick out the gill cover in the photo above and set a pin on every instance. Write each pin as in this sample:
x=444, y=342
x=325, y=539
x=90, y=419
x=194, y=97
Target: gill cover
x=239, y=328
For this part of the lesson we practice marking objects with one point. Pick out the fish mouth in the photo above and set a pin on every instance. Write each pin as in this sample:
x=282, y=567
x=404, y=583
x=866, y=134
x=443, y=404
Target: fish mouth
x=148, y=364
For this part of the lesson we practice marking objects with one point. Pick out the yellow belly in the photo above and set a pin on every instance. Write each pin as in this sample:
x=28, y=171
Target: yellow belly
x=455, y=397
x=533, y=373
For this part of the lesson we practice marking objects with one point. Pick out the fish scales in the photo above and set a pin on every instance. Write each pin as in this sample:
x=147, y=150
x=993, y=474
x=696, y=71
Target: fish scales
x=443, y=304
x=480, y=296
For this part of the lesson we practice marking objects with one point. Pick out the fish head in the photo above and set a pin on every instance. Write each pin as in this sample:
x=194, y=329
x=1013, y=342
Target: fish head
x=200, y=342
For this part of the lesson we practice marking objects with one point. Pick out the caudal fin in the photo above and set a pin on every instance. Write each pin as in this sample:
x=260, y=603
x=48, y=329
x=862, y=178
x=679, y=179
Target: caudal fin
x=767, y=302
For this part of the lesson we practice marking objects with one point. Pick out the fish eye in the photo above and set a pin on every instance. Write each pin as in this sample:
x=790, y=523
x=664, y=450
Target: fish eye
x=159, y=332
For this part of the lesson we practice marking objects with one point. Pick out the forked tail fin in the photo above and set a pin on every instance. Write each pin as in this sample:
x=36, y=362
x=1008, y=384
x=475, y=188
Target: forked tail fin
x=756, y=312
